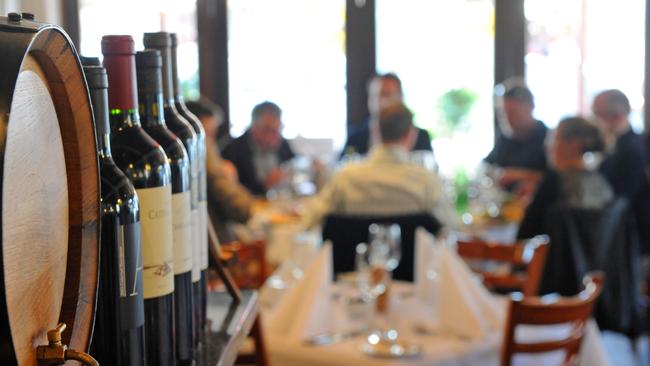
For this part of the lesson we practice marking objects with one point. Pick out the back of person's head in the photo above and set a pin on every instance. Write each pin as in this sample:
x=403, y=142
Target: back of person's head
x=586, y=132
x=204, y=107
x=612, y=103
x=395, y=122
x=265, y=107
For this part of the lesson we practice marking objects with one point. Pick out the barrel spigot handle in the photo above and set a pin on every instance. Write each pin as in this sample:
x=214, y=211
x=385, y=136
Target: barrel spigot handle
x=56, y=353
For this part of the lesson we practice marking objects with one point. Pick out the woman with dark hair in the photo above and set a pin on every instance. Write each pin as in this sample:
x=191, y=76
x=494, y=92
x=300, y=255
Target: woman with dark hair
x=570, y=182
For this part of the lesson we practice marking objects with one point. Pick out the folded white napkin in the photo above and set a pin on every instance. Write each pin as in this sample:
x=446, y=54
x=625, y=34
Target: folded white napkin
x=304, y=310
x=463, y=306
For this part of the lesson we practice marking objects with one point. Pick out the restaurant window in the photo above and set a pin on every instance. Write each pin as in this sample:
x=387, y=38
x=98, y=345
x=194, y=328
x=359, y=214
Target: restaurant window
x=102, y=17
x=578, y=48
x=290, y=52
x=443, y=51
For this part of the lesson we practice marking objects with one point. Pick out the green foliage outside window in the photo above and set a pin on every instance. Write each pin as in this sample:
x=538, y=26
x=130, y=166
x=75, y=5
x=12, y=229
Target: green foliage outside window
x=190, y=87
x=454, y=106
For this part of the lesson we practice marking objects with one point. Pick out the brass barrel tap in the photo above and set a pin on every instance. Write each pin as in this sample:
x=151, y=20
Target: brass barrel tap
x=56, y=353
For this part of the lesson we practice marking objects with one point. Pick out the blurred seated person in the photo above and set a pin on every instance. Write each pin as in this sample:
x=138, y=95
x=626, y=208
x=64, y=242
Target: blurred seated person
x=518, y=153
x=386, y=183
x=227, y=199
x=569, y=182
x=623, y=165
x=258, y=153
x=383, y=90
x=626, y=162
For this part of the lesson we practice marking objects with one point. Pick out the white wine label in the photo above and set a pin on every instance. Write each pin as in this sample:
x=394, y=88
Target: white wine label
x=196, y=248
x=182, y=224
x=203, y=240
x=157, y=242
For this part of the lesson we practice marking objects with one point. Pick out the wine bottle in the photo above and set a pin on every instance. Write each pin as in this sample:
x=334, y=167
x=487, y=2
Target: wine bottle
x=200, y=283
x=148, y=64
x=161, y=41
x=144, y=162
x=118, y=337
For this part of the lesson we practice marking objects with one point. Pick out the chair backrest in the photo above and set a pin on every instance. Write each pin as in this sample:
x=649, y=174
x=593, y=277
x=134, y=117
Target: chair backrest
x=345, y=232
x=575, y=311
x=529, y=254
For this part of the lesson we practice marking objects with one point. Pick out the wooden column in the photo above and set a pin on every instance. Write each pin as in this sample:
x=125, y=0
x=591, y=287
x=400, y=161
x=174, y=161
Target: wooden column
x=510, y=35
x=213, y=55
x=509, y=39
x=360, y=51
x=70, y=12
x=646, y=84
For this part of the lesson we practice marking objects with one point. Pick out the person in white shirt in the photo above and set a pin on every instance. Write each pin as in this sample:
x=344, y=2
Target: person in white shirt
x=386, y=183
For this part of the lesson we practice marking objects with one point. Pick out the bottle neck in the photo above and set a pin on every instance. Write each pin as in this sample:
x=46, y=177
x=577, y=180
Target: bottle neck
x=175, y=81
x=99, y=100
x=122, y=91
x=151, y=109
x=167, y=81
x=104, y=145
x=122, y=119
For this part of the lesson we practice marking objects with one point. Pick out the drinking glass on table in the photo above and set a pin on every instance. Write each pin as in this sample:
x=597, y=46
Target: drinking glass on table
x=389, y=235
x=374, y=263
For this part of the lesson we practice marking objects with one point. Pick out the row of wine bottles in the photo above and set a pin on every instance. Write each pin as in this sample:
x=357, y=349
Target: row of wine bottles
x=154, y=247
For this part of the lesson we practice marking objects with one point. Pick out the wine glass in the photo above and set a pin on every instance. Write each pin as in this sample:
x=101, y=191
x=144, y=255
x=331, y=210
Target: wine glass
x=371, y=275
x=390, y=235
x=374, y=264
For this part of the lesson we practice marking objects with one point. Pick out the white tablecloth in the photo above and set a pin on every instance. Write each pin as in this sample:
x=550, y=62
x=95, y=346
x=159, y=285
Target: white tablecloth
x=437, y=349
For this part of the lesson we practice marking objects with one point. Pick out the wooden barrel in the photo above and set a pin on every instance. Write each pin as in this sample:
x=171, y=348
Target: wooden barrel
x=50, y=192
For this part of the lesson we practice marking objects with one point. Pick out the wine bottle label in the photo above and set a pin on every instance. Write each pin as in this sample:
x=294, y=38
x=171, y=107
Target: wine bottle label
x=182, y=223
x=203, y=243
x=157, y=241
x=196, y=264
x=130, y=276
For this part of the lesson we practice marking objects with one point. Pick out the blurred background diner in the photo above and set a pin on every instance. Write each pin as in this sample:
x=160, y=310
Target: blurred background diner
x=515, y=127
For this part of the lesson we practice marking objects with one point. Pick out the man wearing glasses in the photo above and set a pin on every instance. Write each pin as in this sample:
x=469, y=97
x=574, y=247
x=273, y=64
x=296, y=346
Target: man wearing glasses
x=259, y=152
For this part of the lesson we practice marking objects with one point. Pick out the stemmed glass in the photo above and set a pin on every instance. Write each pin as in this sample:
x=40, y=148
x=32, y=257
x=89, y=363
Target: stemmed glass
x=374, y=265
x=390, y=237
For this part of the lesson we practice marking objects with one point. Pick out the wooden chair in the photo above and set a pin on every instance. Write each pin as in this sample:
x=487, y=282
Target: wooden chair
x=529, y=254
x=574, y=310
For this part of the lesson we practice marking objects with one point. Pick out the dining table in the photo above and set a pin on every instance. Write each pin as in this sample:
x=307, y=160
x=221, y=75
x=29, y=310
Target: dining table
x=416, y=321
x=291, y=251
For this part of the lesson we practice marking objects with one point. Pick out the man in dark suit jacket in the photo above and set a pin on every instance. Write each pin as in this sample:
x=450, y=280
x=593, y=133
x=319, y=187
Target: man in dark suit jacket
x=258, y=153
x=383, y=90
x=518, y=154
x=625, y=165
